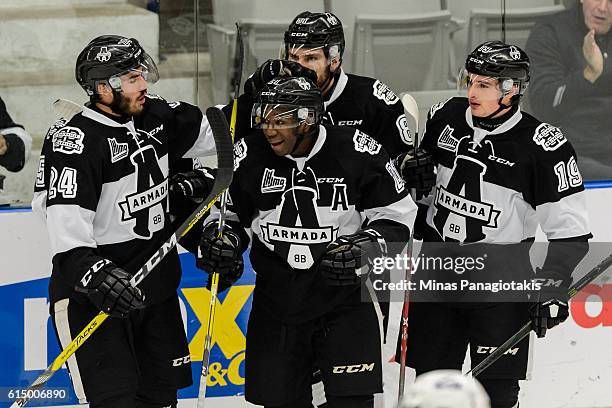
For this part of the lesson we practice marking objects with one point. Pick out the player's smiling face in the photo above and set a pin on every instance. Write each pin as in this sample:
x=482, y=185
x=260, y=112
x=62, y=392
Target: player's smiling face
x=597, y=15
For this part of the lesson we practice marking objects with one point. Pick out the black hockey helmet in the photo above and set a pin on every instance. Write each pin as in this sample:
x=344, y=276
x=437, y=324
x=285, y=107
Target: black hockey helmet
x=108, y=57
x=287, y=102
x=316, y=30
x=507, y=63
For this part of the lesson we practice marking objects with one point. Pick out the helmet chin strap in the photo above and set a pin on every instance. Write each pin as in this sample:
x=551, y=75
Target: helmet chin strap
x=514, y=100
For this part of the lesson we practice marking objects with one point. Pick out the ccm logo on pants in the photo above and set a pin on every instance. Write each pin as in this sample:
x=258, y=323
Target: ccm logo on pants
x=356, y=368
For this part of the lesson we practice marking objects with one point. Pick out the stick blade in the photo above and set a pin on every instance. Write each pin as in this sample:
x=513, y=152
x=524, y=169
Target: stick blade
x=66, y=109
x=411, y=109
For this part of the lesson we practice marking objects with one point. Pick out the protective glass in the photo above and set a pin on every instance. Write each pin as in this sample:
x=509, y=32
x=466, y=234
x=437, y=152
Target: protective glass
x=289, y=51
x=130, y=81
x=280, y=116
x=484, y=87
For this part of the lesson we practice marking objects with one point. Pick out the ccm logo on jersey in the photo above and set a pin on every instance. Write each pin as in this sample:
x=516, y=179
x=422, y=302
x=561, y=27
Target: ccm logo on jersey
x=68, y=140
x=180, y=361
x=355, y=368
x=350, y=122
x=549, y=137
x=501, y=160
x=382, y=92
x=491, y=349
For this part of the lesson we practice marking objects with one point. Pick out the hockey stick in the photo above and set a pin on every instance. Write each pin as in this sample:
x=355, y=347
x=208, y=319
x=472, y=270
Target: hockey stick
x=412, y=110
x=214, y=285
x=524, y=331
x=66, y=109
x=225, y=169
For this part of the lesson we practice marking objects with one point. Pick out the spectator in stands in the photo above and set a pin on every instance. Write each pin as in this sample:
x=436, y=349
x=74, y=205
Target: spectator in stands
x=15, y=145
x=571, y=84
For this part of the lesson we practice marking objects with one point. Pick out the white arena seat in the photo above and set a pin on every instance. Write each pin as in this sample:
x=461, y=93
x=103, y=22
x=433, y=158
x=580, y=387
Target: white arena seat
x=407, y=51
x=264, y=24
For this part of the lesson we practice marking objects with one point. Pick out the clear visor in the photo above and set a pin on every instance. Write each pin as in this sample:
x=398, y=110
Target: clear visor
x=280, y=116
x=295, y=52
x=136, y=79
x=484, y=87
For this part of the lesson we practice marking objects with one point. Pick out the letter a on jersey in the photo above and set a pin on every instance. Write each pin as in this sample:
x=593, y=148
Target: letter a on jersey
x=460, y=213
x=298, y=237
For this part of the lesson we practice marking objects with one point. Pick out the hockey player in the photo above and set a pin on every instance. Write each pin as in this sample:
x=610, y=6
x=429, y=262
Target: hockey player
x=445, y=389
x=15, y=145
x=102, y=188
x=500, y=173
x=315, y=42
x=306, y=207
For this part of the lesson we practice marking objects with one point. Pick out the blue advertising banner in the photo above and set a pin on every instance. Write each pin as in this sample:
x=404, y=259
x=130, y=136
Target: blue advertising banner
x=28, y=344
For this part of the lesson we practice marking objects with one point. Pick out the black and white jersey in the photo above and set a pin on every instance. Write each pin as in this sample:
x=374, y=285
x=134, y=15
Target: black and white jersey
x=358, y=102
x=296, y=206
x=371, y=106
x=102, y=187
x=497, y=186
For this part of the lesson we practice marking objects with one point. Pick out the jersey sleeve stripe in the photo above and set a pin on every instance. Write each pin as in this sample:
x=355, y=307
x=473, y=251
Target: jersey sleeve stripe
x=565, y=218
x=70, y=226
x=402, y=211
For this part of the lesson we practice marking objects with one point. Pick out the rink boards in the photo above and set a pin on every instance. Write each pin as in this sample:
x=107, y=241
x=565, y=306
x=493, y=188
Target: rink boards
x=572, y=366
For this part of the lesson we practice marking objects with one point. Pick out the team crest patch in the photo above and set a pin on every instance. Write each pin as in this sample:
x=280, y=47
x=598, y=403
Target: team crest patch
x=365, y=143
x=382, y=92
x=240, y=152
x=60, y=123
x=549, y=137
x=399, y=181
x=271, y=183
x=68, y=140
x=118, y=150
x=447, y=141
x=404, y=129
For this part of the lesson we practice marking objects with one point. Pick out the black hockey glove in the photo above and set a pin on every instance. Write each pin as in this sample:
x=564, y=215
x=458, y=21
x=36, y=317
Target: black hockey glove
x=344, y=262
x=227, y=280
x=417, y=170
x=273, y=68
x=222, y=255
x=194, y=184
x=549, y=305
x=110, y=291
